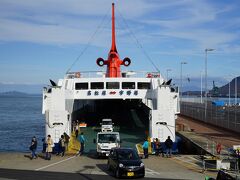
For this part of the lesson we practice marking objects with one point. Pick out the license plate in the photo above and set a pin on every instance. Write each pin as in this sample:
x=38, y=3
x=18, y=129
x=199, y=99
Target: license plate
x=130, y=174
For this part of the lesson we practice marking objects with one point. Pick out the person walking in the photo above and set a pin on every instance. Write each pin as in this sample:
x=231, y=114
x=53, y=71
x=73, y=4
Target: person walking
x=76, y=129
x=145, y=148
x=219, y=148
x=49, y=148
x=66, y=138
x=82, y=144
x=158, y=147
x=169, y=144
x=33, y=148
x=62, y=145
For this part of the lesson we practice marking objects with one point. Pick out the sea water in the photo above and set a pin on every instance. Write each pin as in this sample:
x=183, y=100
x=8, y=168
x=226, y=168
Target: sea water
x=20, y=119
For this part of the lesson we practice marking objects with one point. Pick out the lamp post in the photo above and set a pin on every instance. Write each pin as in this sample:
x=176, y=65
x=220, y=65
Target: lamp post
x=229, y=93
x=235, y=91
x=181, y=80
x=206, y=52
x=168, y=71
x=201, y=87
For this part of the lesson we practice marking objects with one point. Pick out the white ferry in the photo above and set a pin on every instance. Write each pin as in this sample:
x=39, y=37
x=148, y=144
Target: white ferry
x=112, y=94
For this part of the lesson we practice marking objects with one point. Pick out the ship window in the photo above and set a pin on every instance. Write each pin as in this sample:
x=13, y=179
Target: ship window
x=128, y=85
x=79, y=86
x=112, y=85
x=143, y=85
x=97, y=85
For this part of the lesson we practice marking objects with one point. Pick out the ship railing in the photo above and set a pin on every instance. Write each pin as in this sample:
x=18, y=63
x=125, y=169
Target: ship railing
x=124, y=74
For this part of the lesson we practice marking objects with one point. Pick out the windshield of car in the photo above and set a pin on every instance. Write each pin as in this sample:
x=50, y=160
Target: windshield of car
x=108, y=138
x=127, y=154
x=106, y=122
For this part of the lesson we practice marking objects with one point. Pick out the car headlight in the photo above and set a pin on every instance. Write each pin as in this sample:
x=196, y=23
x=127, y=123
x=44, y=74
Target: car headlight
x=141, y=165
x=120, y=165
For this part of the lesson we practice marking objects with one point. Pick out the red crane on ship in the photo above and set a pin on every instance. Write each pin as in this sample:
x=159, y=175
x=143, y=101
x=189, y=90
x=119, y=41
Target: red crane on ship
x=113, y=62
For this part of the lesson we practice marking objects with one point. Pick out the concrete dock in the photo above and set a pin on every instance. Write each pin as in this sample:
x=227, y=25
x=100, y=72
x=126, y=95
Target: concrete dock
x=19, y=166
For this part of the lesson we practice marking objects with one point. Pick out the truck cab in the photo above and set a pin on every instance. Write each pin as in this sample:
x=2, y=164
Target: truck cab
x=106, y=141
x=107, y=125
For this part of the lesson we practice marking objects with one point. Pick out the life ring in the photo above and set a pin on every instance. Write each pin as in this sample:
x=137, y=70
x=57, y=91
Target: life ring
x=149, y=75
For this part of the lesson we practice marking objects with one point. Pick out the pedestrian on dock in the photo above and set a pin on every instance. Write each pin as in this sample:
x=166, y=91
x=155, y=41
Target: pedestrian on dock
x=219, y=148
x=169, y=144
x=82, y=144
x=33, y=147
x=158, y=147
x=145, y=148
x=49, y=148
x=61, y=146
x=66, y=138
x=44, y=145
x=76, y=129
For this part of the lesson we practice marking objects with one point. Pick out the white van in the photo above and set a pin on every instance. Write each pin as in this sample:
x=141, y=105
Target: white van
x=106, y=141
x=107, y=125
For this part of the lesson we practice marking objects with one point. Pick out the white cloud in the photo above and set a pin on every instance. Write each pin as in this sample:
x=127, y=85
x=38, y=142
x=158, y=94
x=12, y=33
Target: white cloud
x=74, y=21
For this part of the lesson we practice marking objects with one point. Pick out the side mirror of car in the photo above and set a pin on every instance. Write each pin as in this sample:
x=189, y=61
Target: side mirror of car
x=94, y=141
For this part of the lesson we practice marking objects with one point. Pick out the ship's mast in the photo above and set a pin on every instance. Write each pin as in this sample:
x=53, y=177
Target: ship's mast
x=113, y=48
x=113, y=62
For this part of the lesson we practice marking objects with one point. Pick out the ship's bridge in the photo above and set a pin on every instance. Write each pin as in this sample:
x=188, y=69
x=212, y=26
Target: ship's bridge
x=94, y=85
x=132, y=85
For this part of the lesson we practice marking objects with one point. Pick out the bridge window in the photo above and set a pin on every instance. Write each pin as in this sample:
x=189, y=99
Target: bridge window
x=143, y=85
x=128, y=85
x=112, y=85
x=97, y=85
x=80, y=86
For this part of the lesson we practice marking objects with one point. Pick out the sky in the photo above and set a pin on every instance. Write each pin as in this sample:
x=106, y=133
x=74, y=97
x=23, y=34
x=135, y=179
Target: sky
x=40, y=40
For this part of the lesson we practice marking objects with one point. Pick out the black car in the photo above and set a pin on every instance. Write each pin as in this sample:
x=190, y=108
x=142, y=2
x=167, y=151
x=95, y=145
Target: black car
x=125, y=162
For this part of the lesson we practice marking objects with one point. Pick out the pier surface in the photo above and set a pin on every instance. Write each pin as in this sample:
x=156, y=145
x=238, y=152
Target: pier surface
x=19, y=166
x=207, y=136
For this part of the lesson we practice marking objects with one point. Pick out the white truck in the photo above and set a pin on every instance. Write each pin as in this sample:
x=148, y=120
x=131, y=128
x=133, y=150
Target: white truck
x=107, y=125
x=106, y=141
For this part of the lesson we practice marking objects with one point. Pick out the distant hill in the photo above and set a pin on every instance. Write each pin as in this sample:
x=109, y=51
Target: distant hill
x=16, y=93
x=224, y=90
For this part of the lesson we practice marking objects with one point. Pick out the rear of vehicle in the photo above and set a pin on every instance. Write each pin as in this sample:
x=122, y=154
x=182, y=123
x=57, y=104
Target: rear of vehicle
x=107, y=125
x=125, y=162
x=106, y=141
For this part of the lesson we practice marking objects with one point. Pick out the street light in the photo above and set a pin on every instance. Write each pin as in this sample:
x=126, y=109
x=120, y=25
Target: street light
x=201, y=86
x=229, y=93
x=206, y=52
x=181, y=80
x=168, y=71
x=232, y=77
x=236, y=91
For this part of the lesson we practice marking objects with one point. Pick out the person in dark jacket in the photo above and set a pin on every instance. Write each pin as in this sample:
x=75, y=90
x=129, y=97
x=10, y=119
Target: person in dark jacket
x=33, y=147
x=169, y=144
x=62, y=146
